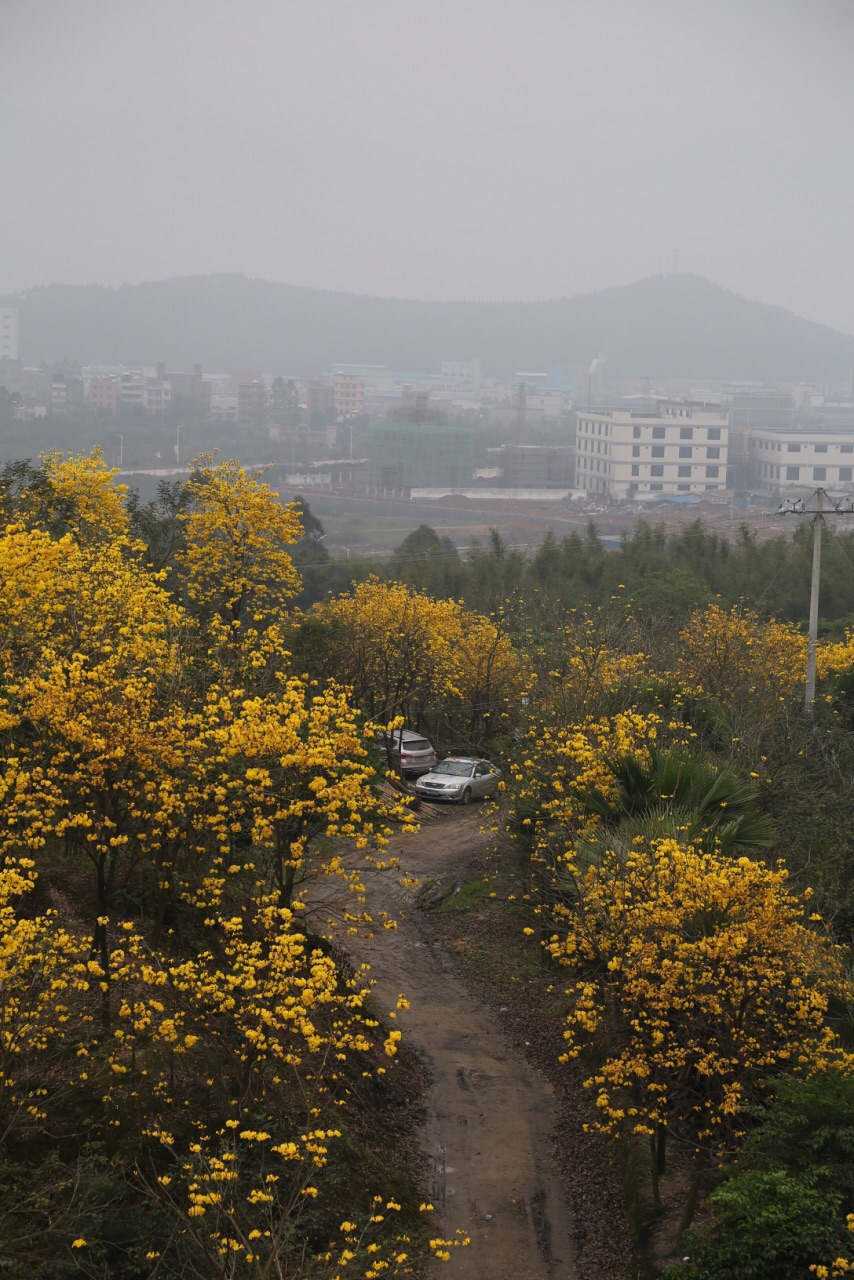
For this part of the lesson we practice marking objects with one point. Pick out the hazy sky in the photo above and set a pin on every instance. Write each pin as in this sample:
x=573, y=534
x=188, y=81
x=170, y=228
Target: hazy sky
x=432, y=148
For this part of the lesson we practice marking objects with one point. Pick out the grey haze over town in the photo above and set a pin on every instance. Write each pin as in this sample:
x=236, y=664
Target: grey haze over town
x=432, y=149
x=577, y=252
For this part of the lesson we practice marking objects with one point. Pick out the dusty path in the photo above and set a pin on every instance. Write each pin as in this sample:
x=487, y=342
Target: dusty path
x=489, y=1114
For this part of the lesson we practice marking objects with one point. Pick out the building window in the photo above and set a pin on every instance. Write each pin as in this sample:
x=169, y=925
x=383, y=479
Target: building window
x=821, y=448
x=656, y=471
x=635, y=469
x=714, y=433
x=683, y=487
x=712, y=473
x=793, y=448
x=713, y=452
x=684, y=471
x=636, y=433
x=658, y=451
x=844, y=474
x=793, y=473
x=635, y=450
x=686, y=433
x=658, y=433
x=819, y=473
x=685, y=451
x=846, y=448
x=656, y=487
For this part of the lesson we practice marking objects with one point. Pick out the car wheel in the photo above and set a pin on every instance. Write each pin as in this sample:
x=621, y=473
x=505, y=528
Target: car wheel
x=465, y=798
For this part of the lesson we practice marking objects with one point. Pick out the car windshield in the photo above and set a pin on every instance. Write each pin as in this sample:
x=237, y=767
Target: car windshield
x=461, y=768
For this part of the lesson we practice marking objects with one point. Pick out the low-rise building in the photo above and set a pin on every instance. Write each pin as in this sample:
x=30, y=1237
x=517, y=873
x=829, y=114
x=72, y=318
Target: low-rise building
x=534, y=466
x=801, y=458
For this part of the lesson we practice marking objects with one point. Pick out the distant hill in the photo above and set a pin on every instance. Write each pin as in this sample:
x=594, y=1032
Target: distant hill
x=677, y=326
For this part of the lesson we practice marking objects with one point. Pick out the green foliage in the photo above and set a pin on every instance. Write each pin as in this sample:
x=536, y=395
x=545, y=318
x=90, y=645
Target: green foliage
x=768, y=1225
x=670, y=594
x=157, y=523
x=809, y=1124
x=680, y=795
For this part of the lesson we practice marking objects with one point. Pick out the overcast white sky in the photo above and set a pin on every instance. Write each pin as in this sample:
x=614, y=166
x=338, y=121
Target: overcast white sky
x=432, y=148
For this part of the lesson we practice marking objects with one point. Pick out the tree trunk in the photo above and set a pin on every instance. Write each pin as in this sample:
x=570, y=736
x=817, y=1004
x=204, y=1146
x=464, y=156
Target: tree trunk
x=700, y=1165
x=656, y=1161
x=100, y=947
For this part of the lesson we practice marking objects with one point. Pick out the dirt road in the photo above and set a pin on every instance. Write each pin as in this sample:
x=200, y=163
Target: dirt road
x=489, y=1113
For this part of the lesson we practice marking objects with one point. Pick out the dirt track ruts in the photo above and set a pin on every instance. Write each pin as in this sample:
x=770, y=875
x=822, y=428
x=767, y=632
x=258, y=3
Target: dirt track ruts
x=489, y=1113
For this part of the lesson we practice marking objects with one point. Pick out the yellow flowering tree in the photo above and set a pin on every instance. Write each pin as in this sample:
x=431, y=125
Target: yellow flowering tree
x=399, y=649
x=288, y=769
x=88, y=652
x=737, y=659
x=709, y=979
x=235, y=561
x=592, y=662
x=203, y=794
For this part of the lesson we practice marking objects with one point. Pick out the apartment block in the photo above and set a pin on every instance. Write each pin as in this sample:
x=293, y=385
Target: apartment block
x=670, y=447
x=191, y=388
x=348, y=394
x=252, y=403
x=320, y=402
x=156, y=396
x=103, y=393
x=9, y=333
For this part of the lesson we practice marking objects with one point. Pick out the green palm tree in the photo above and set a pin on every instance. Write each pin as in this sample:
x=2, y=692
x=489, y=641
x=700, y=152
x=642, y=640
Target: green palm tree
x=678, y=795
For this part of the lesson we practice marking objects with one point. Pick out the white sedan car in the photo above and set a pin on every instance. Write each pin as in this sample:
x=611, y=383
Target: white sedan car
x=459, y=778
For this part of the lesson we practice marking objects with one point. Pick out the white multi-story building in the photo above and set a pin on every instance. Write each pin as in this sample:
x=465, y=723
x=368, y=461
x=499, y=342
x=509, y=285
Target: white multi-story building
x=462, y=375
x=672, y=447
x=8, y=333
x=801, y=458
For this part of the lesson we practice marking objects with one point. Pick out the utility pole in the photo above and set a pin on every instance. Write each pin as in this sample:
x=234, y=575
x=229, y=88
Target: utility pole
x=845, y=507
x=812, y=641
x=521, y=409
